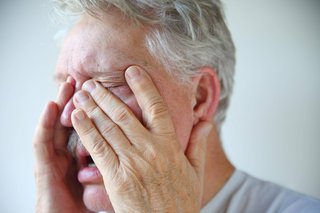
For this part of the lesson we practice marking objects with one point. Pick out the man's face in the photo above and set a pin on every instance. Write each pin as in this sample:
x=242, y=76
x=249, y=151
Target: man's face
x=102, y=50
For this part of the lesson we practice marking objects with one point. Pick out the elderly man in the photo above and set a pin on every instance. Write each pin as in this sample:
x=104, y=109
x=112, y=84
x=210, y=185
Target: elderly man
x=144, y=88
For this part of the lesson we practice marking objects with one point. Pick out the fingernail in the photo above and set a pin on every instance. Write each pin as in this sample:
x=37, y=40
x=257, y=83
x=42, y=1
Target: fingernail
x=71, y=81
x=81, y=97
x=79, y=115
x=133, y=72
x=89, y=85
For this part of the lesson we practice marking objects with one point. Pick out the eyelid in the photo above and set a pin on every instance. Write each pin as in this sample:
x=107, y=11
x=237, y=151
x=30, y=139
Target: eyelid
x=112, y=85
x=112, y=80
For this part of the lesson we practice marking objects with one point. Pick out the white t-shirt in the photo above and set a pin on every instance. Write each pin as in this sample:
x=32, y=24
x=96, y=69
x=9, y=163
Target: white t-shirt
x=244, y=193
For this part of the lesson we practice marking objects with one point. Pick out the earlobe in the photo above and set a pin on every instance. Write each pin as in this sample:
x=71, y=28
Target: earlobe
x=207, y=94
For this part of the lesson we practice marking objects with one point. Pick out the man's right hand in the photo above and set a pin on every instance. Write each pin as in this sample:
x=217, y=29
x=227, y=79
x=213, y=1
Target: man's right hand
x=57, y=187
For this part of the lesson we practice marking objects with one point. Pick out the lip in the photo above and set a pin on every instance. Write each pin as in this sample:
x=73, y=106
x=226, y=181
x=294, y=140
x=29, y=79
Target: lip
x=89, y=175
x=86, y=174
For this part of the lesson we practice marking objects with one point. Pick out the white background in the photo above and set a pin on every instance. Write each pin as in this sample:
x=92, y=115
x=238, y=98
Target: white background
x=273, y=126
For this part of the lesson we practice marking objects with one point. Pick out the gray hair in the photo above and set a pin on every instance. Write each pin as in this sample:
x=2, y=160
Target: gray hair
x=186, y=35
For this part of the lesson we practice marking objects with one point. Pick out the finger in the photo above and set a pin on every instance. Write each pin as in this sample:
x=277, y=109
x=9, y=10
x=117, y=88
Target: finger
x=71, y=81
x=65, y=117
x=65, y=92
x=102, y=154
x=116, y=110
x=154, y=110
x=196, y=151
x=108, y=129
x=44, y=135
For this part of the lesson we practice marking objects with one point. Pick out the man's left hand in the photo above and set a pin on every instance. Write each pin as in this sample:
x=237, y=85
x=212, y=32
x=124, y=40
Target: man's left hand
x=143, y=166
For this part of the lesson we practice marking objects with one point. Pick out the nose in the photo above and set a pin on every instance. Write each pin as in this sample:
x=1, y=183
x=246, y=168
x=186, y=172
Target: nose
x=65, y=118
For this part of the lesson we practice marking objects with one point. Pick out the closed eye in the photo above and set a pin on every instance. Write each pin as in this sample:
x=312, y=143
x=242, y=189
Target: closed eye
x=121, y=91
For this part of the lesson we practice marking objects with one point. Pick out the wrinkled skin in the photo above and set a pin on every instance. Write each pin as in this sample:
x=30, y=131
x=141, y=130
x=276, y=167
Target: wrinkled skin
x=141, y=133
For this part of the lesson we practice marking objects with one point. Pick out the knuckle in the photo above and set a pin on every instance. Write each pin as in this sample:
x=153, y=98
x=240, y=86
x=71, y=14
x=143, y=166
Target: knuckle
x=98, y=148
x=157, y=107
x=93, y=110
x=121, y=115
x=35, y=144
x=109, y=129
x=102, y=97
x=37, y=147
x=87, y=131
x=151, y=152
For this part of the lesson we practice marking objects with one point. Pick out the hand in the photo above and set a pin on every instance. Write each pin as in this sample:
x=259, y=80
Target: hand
x=55, y=173
x=143, y=166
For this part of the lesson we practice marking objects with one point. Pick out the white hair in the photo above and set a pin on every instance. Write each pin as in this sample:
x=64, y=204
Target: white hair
x=186, y=35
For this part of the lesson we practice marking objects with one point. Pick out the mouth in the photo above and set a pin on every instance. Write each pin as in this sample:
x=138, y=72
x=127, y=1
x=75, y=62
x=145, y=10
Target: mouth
x=90, y=162
x=88, y=172
x=83, y=157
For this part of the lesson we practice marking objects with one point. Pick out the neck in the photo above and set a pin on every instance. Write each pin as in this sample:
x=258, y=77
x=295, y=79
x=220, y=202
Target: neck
x=218, y=168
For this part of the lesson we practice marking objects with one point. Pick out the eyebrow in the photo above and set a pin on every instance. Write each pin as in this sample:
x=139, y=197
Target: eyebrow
x=111, y=78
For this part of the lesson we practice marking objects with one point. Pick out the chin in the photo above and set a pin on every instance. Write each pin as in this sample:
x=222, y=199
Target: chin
x=96, y=198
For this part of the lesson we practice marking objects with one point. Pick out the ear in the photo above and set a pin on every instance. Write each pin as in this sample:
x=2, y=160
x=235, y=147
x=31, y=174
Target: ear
x=207, y=94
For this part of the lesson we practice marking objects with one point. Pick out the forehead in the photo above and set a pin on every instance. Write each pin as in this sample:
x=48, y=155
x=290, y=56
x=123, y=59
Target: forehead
x=110, y=42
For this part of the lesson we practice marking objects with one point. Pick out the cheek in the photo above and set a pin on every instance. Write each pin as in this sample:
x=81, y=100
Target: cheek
x=180, y=111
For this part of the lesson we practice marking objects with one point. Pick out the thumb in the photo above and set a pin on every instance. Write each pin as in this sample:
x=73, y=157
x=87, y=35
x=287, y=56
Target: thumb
x=196, y=151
